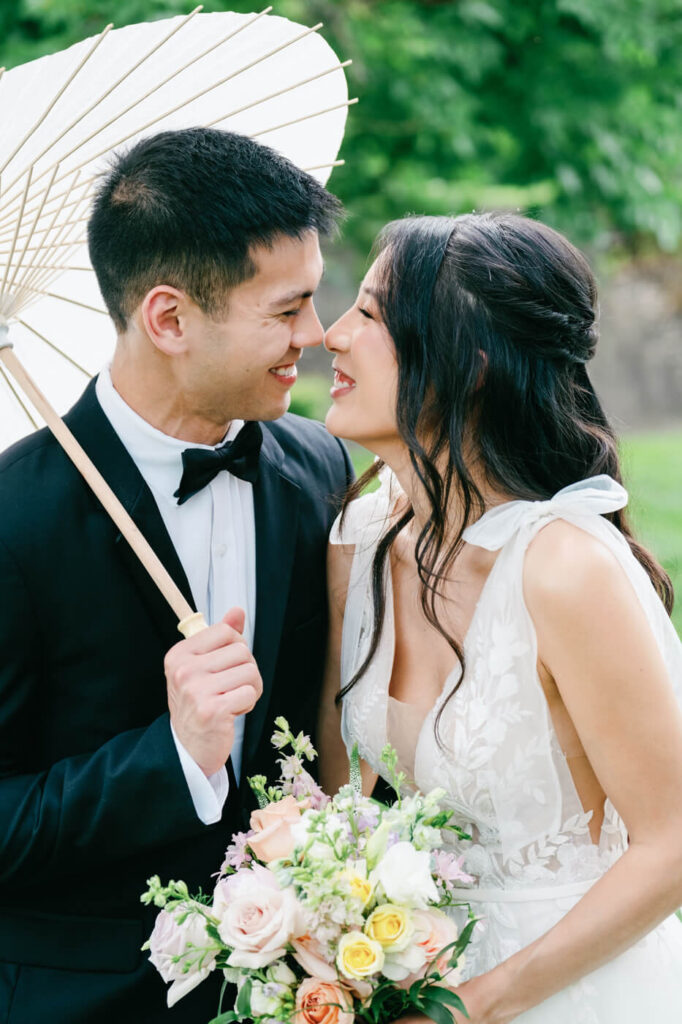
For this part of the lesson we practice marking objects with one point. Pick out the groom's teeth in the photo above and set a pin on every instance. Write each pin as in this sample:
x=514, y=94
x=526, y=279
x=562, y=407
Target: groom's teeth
x=284, y=371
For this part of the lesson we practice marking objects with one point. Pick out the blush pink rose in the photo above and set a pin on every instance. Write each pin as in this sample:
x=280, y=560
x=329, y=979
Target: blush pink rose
x=308, y=953
x=256, y=917
x=187, y=941
x=272, y=837
x=323, y=1002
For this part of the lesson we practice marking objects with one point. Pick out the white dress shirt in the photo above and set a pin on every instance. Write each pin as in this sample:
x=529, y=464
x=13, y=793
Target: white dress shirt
x=214, y=535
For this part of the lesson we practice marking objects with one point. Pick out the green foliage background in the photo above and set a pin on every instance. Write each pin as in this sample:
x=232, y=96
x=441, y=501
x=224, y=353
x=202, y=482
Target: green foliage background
x=569, y=109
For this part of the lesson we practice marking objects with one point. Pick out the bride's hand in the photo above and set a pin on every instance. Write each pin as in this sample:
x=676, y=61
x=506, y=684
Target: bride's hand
x=479, y=999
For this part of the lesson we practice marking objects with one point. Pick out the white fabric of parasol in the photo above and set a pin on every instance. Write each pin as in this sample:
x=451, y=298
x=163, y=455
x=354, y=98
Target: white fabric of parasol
x=63, y=116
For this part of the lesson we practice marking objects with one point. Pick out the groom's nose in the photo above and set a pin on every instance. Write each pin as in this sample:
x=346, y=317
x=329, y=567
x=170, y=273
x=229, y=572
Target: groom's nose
x=309, y=331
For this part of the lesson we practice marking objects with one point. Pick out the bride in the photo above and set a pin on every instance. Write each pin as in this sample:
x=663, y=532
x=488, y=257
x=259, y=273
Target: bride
x=493, y=618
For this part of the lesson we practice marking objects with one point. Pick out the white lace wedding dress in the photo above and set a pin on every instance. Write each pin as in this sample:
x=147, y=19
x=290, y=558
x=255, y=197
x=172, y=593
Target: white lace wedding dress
x=504, y=773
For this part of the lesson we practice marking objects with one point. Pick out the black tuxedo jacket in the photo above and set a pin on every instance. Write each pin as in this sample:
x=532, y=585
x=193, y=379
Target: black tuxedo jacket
x=92, y=796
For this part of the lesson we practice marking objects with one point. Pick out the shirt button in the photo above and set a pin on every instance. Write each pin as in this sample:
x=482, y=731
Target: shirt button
x=221, y=550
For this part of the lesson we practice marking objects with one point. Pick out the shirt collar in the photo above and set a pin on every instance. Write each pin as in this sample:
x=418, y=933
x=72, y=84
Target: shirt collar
x=158, y=456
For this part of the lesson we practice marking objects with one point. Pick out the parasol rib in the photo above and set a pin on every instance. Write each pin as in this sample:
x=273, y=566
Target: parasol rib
x=73, y=302
x=7, y=214
x=58, y=245
x=10, y=384
x=50, y=250
x=306, y=117
x=31, y=233
x=55, y=348
x=14, y=240
x=317, y=167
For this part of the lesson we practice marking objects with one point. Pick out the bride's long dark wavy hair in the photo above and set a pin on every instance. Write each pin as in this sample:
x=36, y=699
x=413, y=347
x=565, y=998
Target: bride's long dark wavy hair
x=493, y=317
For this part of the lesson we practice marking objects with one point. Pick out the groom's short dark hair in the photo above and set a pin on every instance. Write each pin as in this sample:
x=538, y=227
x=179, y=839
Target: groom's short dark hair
x=185, y=207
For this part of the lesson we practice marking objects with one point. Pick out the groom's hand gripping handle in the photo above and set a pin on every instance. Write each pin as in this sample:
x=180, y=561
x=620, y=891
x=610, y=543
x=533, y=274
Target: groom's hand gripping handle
x=212, y=678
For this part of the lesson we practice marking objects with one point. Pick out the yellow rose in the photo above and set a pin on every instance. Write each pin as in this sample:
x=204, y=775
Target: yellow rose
x=359, y=956
x=391, y=926
x=361, y=888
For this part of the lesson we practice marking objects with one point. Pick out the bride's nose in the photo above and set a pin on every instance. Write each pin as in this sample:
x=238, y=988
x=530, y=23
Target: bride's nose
x=337, y=337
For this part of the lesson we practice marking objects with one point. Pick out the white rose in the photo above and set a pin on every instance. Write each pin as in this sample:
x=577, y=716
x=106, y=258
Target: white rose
x=405, y=875
x=266, y=998
x=281, y=973
x=399, y=966
x=169, y=940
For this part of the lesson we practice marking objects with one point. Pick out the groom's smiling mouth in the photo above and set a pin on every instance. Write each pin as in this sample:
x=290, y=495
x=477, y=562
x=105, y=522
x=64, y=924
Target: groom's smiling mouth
x=286, y=374
x=343, y=384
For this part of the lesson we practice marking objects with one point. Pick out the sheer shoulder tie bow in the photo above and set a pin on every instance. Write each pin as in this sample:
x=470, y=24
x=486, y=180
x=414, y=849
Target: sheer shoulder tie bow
x=597, y=495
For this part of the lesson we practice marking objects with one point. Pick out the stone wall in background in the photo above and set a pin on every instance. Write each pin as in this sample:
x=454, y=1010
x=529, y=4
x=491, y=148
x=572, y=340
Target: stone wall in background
x=638, y=367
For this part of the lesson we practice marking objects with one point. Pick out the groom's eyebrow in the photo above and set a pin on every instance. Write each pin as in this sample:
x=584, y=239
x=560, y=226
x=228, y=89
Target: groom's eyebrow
x=293, y=296
x=286, y=300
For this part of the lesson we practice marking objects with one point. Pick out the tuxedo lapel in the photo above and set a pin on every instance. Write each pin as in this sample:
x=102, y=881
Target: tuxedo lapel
x=101, y=442
x=276, y=500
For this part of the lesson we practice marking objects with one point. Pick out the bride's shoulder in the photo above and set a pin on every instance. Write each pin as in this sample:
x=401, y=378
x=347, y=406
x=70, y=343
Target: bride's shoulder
x=571, y=576
x=364, y=520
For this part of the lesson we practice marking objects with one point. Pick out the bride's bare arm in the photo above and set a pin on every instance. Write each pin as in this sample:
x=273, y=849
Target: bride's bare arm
x=595, y=642
x=333, y=756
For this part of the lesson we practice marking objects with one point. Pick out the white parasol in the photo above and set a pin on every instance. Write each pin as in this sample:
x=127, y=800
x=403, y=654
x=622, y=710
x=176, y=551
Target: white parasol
x=63, y=115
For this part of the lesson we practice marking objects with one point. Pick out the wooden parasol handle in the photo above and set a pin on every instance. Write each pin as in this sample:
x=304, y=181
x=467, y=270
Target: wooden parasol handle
x=190, y=622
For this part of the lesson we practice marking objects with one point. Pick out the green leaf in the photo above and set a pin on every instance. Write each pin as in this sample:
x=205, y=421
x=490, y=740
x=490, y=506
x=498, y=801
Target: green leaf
x=225, y=1018
x=436, y=1011
x=463, y=941
x=243, y=1005
x=444, y=995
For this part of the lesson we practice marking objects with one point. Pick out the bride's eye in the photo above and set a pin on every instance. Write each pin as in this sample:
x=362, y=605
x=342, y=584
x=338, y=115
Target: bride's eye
x=365, y=313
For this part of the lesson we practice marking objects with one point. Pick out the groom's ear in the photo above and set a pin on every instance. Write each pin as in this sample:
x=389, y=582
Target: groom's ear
x=165, y=313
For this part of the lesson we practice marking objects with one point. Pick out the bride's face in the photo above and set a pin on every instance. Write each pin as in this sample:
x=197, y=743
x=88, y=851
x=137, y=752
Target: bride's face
x=364, y=391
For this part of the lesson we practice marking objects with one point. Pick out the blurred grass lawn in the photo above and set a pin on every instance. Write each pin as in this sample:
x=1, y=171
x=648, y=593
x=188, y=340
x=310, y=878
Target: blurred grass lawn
x=652, y=470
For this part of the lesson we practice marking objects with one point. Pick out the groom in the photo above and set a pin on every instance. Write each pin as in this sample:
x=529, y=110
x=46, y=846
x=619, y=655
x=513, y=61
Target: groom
x=123, y=749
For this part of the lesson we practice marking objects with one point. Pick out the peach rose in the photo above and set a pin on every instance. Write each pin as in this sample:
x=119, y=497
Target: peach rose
x=322, y=1002
x=272, y=825
x=434, y=930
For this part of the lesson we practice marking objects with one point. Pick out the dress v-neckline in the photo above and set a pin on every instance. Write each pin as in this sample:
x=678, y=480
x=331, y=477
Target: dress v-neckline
x=390, y=603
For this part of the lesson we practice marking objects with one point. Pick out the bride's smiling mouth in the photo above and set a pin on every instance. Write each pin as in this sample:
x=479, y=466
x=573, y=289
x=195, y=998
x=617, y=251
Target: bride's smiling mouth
x=343, y=384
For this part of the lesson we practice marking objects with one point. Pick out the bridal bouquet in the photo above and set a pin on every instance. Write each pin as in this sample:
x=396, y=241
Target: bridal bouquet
x=328, y=909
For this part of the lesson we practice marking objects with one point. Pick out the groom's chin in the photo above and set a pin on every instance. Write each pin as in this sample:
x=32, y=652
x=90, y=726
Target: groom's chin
x=273, y=409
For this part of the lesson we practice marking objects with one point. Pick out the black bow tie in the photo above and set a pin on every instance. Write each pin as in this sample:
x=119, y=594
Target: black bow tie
x=239, y=457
